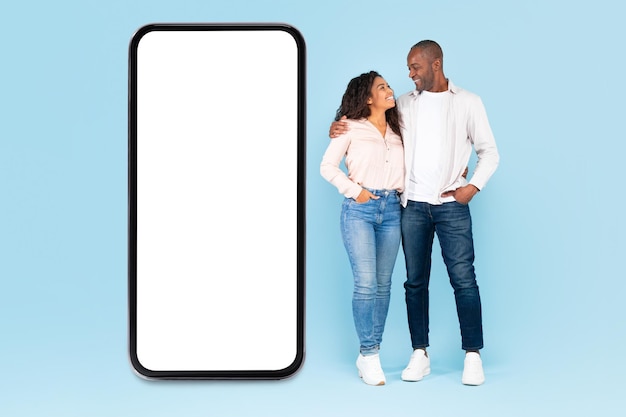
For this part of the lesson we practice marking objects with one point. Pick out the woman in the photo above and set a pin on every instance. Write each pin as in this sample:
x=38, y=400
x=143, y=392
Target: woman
x=370, y=213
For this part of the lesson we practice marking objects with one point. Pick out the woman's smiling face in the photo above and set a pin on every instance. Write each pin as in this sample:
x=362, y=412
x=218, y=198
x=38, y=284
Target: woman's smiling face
x=381, y=95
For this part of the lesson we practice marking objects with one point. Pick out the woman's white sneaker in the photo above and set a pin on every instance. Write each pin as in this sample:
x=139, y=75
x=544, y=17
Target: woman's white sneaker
x=370, y=370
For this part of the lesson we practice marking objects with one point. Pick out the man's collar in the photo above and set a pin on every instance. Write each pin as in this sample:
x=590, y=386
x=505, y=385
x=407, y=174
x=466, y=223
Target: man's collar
x=453, y=88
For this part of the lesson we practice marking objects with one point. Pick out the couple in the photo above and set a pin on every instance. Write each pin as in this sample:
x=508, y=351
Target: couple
x=406, y=181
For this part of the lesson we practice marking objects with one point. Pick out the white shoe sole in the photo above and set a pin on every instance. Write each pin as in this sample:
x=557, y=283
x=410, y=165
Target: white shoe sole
x=473, y=383
x=415, y=379
x=372, y=384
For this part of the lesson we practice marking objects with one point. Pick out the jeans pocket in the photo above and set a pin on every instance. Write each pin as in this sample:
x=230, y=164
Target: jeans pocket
x=361, y=204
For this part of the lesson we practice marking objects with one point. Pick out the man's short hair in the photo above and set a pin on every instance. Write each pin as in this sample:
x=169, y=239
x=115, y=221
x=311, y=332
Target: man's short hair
x=430, y=49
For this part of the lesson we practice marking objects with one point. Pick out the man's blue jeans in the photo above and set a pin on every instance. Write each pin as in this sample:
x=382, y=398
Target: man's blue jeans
x=371, y=235
x=453, y=225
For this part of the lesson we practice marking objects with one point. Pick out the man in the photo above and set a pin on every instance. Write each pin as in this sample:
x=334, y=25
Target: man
x=441, y=122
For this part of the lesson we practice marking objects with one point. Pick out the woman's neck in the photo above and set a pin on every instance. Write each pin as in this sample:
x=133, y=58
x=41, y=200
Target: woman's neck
x=379, y=120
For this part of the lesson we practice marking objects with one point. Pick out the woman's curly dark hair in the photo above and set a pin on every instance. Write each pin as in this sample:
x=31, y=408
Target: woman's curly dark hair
x=354, y=101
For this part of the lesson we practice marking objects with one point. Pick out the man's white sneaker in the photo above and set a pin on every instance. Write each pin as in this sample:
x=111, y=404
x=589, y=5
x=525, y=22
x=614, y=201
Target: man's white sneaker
x=473, y=369
x=370, y=369
x=418, y=367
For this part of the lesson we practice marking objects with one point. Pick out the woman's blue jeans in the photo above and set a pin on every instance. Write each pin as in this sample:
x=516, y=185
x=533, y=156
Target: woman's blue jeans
x=371, y=235
x=453, y=225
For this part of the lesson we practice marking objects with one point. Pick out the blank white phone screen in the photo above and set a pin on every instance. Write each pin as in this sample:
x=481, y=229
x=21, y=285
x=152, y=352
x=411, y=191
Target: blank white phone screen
x=217, y=279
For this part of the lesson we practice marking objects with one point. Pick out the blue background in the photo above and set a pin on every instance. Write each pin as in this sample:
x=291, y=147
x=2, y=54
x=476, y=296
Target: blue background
x=549, y=226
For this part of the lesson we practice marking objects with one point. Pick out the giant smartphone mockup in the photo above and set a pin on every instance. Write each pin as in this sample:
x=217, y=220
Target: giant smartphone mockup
x=216, y=201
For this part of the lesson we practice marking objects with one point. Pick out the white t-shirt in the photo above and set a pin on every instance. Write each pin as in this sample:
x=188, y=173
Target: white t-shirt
x=427, y=169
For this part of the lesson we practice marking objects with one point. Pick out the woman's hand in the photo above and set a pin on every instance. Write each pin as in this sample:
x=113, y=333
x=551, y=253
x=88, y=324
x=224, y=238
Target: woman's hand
x=365, y=196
